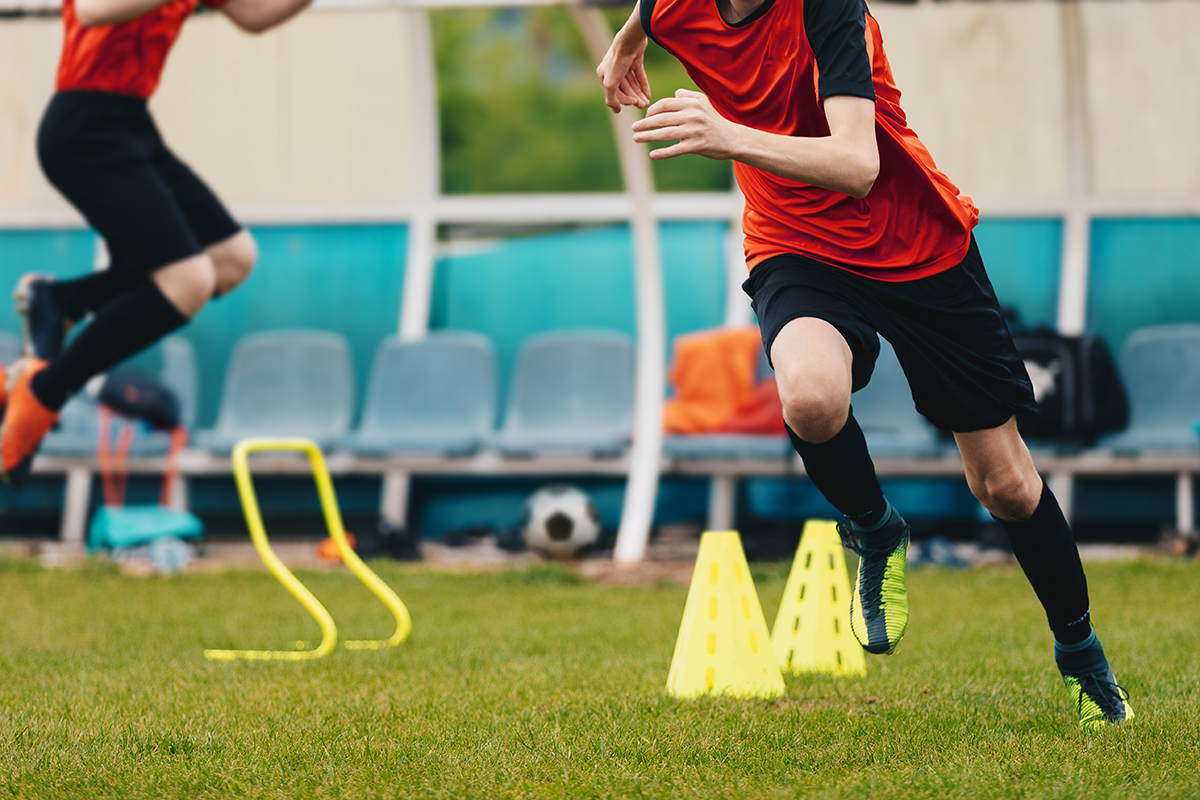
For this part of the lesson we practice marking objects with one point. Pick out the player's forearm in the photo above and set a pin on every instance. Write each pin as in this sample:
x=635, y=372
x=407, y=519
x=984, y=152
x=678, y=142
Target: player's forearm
x=840, y=163
x=256, y=16
x=92, y=13
x=631, y=36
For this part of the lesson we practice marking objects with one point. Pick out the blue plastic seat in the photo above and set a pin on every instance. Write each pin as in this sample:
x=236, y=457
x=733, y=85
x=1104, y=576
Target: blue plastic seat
x=285, y=383
x=727, y=447
x=78, y=426
x=436, y=396
x=1160, y=367
x=890, y=422
x=10, y=348
x=570, y=392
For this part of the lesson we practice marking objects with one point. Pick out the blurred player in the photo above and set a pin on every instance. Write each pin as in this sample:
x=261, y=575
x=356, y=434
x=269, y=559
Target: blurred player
x=173, y=245
x=851, y=231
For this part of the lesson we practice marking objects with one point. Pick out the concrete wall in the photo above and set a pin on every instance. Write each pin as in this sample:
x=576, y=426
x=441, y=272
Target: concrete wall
x=318, y=113
x=314, y=113
x=982, y=84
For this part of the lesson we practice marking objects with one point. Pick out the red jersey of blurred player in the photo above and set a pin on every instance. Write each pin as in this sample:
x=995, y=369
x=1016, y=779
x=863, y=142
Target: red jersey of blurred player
x=123, y=59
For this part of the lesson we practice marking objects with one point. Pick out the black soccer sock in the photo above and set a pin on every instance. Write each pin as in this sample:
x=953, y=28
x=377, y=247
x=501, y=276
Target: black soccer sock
x=126, y=326
x=1046, y=550
x=842, y=470
x=79, y=297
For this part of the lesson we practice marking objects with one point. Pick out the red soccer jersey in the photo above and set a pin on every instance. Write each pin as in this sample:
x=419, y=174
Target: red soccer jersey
x=127, y=58
x=763, y=73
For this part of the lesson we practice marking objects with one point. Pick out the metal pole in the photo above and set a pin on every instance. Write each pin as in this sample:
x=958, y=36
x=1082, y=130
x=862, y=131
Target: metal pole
x=641, y=489
x=1073, y=280
x=422, y=227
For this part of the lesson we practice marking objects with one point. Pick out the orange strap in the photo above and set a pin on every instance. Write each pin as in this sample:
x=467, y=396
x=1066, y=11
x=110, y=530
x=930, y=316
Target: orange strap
x=114, y=466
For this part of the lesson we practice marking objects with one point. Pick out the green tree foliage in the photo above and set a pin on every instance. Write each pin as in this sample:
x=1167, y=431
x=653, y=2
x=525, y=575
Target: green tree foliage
x=521, y=109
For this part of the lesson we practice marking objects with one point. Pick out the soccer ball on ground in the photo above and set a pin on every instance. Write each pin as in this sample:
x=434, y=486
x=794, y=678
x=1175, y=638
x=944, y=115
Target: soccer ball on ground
x=559, y=521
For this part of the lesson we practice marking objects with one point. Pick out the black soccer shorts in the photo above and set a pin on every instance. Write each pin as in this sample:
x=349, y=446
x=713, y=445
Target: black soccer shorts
x=104, y=153
x=947, y=329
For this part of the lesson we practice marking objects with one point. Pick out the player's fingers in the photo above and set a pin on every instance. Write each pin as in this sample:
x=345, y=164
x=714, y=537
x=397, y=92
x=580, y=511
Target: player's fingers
x=660, y=134
x=678, y=149
x=630, y=87
x=665, y=119
x=627, y=99
x=639, y=73
x=664, y=105
x=689, y=94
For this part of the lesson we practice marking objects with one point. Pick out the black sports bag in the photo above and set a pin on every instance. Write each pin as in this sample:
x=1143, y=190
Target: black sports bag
x=1079, y=391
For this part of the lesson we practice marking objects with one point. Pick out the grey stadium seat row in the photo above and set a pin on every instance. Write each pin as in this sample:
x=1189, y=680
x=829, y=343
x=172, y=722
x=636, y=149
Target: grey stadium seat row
x=570, y=392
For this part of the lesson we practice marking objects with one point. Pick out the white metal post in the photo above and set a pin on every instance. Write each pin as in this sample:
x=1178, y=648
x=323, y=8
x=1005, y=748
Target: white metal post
x=1185, y=512
x=1073, y=280
x=422, y=227
x=722, y=502
x=641, y=489
x=76, y=494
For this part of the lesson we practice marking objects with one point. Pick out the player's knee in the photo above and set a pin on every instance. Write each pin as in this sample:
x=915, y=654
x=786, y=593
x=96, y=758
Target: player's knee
x=813, y=411
x=234, y=260
x=188, y=284
x=1007, y=492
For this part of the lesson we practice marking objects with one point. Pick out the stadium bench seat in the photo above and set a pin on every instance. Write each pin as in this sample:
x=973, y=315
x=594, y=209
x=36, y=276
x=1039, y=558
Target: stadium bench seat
x=436, y=396
x=571, y=392
x=727, y=447
x=1161, y=370
x=293, y=383
x=885, y=412
x=79, y=427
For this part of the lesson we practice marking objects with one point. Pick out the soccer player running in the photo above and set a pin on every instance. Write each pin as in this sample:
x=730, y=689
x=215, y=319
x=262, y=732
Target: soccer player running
x=851, y=231
x=173, y=245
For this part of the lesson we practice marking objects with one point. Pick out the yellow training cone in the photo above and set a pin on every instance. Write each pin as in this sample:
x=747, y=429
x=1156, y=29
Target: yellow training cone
x=812, y=629
x=723, y=644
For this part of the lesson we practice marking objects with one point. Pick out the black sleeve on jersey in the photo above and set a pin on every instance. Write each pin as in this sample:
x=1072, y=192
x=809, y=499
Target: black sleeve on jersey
x=645, y=12
x=837, y=34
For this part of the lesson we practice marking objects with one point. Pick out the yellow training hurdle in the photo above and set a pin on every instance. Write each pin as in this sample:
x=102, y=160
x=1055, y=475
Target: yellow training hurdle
x=333, y=521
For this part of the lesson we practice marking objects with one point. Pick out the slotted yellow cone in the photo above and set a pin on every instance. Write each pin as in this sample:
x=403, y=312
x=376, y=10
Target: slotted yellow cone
x=812, y=628
x=723, y=644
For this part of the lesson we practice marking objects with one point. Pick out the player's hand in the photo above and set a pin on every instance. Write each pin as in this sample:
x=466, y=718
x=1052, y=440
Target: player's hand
x=623, y=72
x=689, y=117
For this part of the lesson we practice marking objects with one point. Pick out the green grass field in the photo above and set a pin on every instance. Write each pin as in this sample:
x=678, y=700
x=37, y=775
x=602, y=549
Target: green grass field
x=535, y=684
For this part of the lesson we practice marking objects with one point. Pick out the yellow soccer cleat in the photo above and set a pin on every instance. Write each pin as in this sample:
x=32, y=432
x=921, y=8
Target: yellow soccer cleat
x=879, y=602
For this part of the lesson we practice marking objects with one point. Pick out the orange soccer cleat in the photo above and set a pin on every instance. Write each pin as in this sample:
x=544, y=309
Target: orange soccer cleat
x=26, y=423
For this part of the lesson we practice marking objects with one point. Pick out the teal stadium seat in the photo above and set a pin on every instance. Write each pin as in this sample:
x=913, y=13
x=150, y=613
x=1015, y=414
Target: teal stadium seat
x=1160, y=367
x=78, y=427
x=571, y=392
x=727, y=447
x=285, y=383
x=10, y=348
x=890, y=422
x=436, y=396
